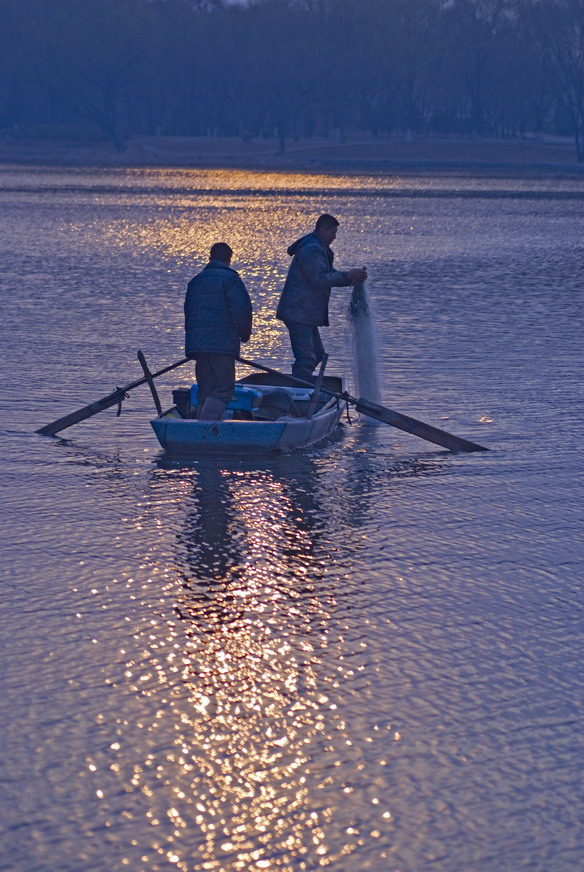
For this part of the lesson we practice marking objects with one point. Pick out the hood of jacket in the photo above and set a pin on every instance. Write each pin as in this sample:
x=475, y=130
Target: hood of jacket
x=304, y=240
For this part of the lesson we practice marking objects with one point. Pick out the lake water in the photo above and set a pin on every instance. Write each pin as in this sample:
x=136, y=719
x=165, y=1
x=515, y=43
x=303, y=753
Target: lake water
x=367, y=656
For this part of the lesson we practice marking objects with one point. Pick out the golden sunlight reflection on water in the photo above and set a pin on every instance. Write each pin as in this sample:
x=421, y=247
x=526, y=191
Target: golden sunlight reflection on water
x=245, y=754
x=238, y=180
x=182, y=233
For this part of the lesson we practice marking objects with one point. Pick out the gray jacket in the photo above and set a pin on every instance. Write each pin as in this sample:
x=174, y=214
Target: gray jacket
x=218, y=311
x=308, y=285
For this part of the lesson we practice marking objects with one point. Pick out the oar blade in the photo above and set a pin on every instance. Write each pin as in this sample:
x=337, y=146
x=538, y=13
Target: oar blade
x=387, y=416
x=112, y=399
x=81, y=414
x=417, y=428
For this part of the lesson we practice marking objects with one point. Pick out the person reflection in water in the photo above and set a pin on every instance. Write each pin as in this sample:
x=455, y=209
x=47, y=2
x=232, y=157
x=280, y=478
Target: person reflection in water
x=247, y=528
x=210, y=549
x=303, y=305
x=218, y=316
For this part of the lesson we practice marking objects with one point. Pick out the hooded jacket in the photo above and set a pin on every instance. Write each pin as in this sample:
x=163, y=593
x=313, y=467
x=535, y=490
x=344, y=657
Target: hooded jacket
x=218, y=311
x=311, y=276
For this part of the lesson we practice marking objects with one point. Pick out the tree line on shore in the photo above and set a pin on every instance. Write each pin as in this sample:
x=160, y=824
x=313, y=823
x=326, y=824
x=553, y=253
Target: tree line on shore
x=292, y=68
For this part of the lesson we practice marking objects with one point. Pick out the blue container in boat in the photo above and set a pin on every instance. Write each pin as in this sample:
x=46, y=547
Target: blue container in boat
x=244, y=398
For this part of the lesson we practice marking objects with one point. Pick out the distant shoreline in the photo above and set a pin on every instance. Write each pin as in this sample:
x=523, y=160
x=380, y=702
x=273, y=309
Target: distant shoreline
x=550, y=156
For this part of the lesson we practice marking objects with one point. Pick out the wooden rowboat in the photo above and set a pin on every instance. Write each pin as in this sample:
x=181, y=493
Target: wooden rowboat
x=267, y=415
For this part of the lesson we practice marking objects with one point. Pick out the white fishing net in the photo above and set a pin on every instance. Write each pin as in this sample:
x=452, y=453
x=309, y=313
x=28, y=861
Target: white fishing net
x=364, y=346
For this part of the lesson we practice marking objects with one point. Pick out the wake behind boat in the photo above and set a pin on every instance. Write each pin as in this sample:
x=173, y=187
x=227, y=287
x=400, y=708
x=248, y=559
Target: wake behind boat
x=268, y=414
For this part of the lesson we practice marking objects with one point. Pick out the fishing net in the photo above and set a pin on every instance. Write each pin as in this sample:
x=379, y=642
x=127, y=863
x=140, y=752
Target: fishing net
x=364, y=345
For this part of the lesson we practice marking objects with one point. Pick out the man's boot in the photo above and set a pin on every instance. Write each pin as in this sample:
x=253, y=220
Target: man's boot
x=212, y=410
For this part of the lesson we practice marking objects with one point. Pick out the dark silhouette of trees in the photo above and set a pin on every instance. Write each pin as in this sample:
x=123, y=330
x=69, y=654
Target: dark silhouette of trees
x=292, y=68
x=413, y=61
x=88, y=56
x=558, y=31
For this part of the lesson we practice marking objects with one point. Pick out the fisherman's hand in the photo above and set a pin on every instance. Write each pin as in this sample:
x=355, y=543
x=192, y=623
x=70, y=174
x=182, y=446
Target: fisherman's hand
x=357, y=275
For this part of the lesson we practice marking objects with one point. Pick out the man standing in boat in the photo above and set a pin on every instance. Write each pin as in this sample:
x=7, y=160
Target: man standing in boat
x=303, y=305
x=218, y=316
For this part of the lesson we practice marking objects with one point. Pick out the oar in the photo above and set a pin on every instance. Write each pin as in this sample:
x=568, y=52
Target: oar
x=113, y=399
x=387, y=416
x=151, y=385
x=317, y=387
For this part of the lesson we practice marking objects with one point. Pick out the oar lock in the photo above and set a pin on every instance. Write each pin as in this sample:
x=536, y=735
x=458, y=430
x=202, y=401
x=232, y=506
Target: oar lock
x=123, y=395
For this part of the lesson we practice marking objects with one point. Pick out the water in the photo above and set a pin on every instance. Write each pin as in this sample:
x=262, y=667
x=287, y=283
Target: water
x=365, y=657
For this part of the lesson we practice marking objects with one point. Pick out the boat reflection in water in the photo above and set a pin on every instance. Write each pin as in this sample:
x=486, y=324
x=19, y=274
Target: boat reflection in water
x=269, y=749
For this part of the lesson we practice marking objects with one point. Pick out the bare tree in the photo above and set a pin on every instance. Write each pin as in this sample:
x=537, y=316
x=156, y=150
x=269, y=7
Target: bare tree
x=286, y=57
x=88, y=58
x=558, y=30
x=477, y=31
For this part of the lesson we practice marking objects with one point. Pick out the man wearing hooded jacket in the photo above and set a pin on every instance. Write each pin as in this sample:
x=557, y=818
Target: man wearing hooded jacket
x=303, y=305
x=218, y=316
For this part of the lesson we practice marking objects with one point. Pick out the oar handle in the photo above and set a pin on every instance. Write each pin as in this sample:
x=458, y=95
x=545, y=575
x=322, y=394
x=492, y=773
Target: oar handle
x=317, y=387
x=292, y=378
x=151, y=385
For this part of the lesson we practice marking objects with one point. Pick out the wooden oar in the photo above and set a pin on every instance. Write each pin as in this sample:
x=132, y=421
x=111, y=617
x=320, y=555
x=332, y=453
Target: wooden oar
x=112, y=399
x=387, y=416
x=317, y=387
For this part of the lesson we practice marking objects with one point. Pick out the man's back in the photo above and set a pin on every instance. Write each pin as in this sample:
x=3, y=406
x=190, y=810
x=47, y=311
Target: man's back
x=218, y=311
x=309, y=281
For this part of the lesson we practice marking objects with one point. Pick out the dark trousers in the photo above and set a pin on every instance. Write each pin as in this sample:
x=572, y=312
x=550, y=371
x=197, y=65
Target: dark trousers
x=307, y=348
x=215, y=375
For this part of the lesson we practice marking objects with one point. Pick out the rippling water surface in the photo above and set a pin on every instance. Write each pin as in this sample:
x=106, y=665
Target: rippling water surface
x=363, y=657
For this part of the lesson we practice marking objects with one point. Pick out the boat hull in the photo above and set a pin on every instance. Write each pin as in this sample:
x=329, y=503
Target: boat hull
x=190, y=437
